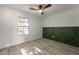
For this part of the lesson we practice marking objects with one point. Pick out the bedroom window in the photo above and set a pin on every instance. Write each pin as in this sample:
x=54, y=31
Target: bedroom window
x=23, y=25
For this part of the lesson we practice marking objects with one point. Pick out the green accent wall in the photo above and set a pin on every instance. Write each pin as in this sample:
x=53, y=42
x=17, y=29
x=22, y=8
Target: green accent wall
x=68, y=35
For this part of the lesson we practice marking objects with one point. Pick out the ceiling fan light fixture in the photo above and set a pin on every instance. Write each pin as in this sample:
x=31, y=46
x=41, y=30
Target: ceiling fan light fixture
x=40, y=11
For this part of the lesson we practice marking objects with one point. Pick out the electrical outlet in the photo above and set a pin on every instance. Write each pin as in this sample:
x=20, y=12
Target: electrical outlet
x=53, y=36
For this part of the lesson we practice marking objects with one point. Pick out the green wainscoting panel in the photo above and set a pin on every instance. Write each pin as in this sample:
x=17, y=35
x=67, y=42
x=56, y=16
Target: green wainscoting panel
x=68, y=35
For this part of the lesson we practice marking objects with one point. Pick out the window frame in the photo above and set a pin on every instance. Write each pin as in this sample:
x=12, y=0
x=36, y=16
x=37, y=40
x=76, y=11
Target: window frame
x=19, y=26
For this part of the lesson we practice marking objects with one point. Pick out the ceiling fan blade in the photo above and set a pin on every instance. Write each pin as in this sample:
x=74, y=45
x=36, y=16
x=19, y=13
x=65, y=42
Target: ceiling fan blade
x=33, y=8
x=46, y=6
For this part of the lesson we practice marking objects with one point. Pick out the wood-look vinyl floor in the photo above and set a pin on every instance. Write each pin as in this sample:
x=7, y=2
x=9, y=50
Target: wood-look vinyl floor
x=40, y=47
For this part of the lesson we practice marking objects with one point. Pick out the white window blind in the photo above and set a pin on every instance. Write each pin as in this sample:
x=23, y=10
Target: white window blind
x=23, y=26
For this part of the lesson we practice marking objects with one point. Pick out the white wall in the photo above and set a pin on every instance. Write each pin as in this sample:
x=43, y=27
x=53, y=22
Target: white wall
x=35, y=29
x=8, y=27
x=64, y=19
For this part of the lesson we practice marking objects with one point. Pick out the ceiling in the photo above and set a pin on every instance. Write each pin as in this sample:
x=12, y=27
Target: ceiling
x=55, y=8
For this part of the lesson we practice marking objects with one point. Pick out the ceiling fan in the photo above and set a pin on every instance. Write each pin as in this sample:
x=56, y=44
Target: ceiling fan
x=41, y=8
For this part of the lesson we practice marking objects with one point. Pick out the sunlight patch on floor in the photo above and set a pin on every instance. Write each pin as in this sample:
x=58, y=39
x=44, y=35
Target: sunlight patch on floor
x=26, y=52
x=32, y=51
x=37, y=49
